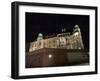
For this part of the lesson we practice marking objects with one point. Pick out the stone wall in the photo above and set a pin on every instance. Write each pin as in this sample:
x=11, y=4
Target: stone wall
x=50, y=57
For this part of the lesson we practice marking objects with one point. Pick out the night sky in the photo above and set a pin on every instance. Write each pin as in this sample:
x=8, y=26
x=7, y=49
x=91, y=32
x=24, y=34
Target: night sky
x=49, y=24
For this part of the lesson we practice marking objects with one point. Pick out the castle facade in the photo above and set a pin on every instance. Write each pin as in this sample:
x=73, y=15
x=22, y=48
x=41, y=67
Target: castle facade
x=64, y=40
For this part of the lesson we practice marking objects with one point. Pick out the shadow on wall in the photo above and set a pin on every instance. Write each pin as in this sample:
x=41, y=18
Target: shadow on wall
x=49, y=57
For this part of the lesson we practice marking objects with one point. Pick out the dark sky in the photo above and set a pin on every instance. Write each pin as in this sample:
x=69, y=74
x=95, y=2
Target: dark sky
x=47, y=24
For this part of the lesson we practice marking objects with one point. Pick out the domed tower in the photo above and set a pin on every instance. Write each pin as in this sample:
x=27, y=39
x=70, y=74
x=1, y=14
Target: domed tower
x=40, y=36
x=76, y=28
x=78, y=37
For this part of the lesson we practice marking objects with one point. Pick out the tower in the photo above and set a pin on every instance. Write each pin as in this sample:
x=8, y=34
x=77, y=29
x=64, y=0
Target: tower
x=40, y=36
x=78, y=37
x=76, y=28
x=63, y=30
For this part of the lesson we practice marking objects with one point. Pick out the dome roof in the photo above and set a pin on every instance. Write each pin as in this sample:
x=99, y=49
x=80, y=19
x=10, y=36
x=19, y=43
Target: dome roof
x=40, y=35
x=76, y=26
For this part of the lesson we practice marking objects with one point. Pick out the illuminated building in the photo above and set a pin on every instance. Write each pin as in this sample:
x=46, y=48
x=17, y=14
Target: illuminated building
x=64, y=40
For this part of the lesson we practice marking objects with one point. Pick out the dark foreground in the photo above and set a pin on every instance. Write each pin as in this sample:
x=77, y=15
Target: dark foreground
x=49, y=57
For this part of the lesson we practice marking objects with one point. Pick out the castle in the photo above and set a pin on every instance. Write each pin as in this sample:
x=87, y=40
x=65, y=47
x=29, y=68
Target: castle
x=63, y=40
